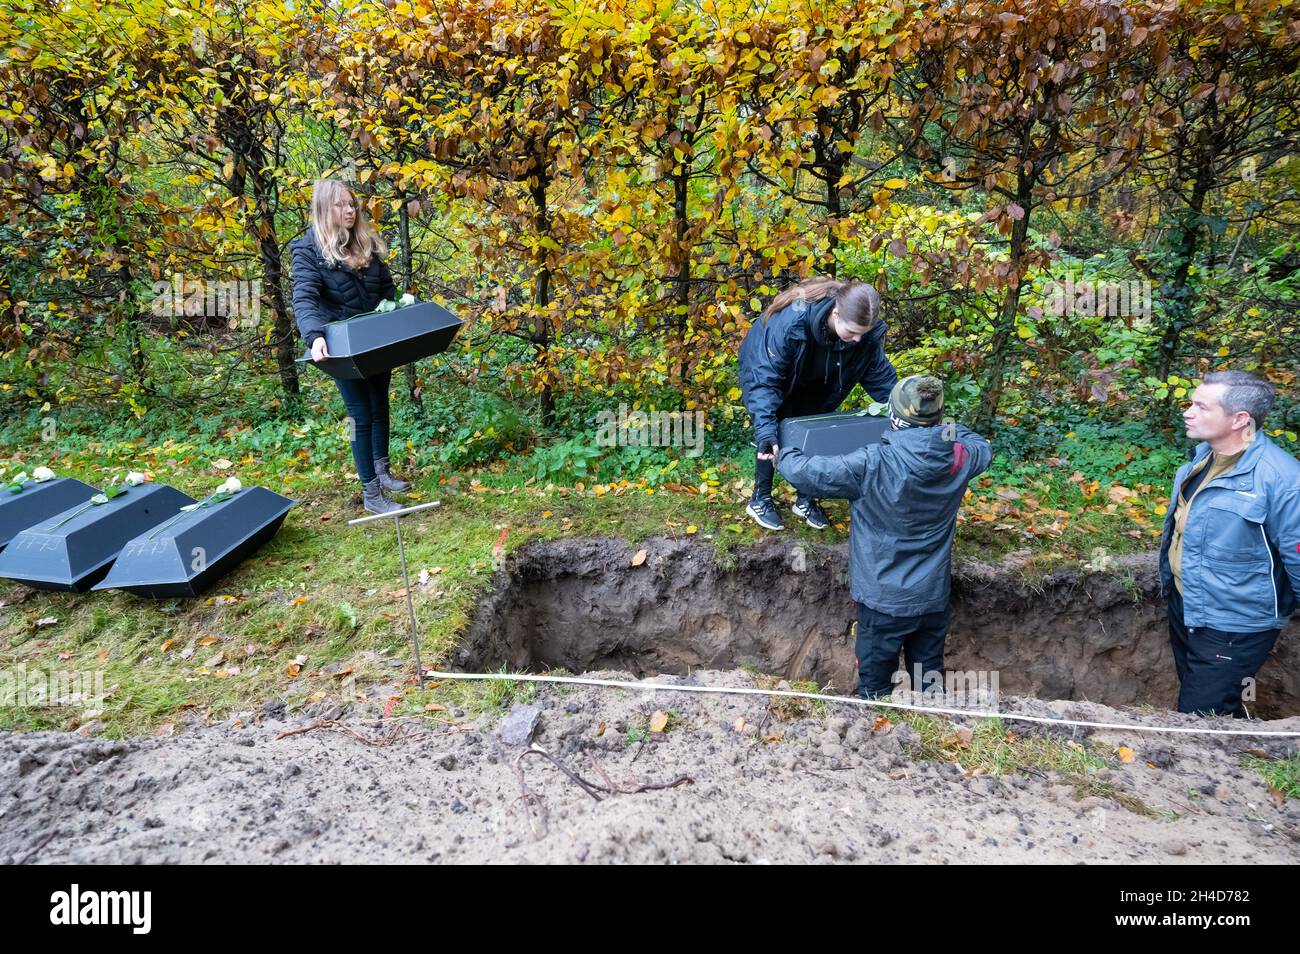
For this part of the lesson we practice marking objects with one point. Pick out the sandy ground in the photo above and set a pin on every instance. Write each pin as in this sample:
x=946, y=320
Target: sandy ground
x=833, y=788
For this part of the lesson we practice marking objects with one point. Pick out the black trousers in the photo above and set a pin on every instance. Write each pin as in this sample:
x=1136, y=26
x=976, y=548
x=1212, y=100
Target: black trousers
x=1214, y=667
x=366, y=401
x=764, y=472
x=880, y=639
x=799, y=404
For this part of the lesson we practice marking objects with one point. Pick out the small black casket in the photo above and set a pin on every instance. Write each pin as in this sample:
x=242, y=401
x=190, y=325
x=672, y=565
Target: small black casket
x=186, y=555
x=369, y=344
x=828, y=435
x=74, y=549
x=37, y=502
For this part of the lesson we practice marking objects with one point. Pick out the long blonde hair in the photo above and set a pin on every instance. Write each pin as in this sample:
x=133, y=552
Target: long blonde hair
x=859, y=303
x=338, y=245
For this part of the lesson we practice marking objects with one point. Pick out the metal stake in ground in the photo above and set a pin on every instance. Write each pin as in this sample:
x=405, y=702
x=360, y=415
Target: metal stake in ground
x=397, y=516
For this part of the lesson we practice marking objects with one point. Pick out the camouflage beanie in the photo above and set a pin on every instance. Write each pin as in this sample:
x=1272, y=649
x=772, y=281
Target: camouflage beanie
x=916, y=401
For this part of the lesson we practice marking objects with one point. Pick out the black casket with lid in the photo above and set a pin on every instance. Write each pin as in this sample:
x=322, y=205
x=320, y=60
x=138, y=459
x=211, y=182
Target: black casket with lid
x=74, y=549
x=828, y=435
x=185, y=555
x=37, y=501
x=366, y=345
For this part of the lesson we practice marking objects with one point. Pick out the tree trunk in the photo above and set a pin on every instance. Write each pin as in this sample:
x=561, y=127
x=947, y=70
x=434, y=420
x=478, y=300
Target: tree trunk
x=265, y=201
x=1175, y=291
x=541, y=336
x=1004, y=327
x=404, y=242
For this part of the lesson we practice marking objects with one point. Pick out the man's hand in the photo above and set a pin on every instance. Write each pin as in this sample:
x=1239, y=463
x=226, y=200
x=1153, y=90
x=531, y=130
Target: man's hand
x=318, y=350
x=775, y=452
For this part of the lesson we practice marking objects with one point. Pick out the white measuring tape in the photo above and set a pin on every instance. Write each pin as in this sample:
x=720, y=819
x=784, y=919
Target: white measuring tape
x=852, y=700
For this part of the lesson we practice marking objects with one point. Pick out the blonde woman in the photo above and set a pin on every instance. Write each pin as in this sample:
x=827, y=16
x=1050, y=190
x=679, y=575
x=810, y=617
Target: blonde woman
x=339, y=271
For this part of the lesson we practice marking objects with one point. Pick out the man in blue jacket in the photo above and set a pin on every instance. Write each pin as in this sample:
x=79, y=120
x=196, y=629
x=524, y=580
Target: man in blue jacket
x=1230, y=553
x=905, y=493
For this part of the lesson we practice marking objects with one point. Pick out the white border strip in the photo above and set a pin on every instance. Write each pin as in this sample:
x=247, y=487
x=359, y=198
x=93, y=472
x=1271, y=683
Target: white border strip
x=853, y=700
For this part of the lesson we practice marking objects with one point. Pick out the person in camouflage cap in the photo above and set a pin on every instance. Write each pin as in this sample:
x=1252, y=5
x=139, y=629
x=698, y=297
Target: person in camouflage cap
x=916, y=401
x=904, y=493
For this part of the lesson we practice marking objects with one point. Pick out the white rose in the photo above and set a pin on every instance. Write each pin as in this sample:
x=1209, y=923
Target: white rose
x=42, y=474
x=20, y=479
x=231, y=486
x=134, y=479
x=408, y=299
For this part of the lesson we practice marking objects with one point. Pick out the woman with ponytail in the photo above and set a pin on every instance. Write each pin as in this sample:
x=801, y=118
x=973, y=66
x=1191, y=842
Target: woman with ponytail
x=813, y=344
x=339, y=271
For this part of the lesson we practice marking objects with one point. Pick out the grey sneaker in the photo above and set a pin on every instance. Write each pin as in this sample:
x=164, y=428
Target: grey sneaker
x=811, y=511
x=373, y=499
x=765, y=514
x=387, y=480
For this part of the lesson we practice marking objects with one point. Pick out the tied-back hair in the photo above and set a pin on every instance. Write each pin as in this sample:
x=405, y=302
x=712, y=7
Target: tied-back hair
x=859, y=303
x=338, y=245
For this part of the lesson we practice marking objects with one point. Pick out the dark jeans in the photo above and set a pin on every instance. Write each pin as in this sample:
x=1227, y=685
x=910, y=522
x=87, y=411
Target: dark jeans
x=366, y=401
x=881, y=637
x=764, y=471
x=800, y=404
x=1212, y=665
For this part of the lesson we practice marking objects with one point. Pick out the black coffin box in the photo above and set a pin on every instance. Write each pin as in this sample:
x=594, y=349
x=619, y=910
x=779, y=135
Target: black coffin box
x=370, y=344
x=75, y=554
x=828, y=435
x=191, y=552
x=35, y=502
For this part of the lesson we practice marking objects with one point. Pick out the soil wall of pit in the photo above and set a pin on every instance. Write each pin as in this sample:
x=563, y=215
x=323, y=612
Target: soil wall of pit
x=784, y=608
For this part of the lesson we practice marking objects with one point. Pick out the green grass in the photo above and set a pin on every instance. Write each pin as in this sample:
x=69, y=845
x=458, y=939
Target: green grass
x=1280, y=774
x=992, y=750
x=328, y=593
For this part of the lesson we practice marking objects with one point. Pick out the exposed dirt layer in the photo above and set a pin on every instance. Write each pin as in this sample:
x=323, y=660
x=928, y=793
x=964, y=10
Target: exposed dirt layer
x=1073, y=634
x=834, y=787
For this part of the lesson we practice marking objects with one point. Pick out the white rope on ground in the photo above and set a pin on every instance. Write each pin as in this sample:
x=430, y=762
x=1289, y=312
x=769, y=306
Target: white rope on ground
x=853, y=700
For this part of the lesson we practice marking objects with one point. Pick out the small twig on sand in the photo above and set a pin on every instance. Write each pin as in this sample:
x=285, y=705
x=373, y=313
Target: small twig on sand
x=39, y=845
x=533, y=806
x=533, y=803
x=399, y=733
x=590, y=788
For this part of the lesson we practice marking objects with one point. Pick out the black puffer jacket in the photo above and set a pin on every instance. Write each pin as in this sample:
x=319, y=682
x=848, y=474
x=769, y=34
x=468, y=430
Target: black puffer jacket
x=792, y=365
x=324, y=292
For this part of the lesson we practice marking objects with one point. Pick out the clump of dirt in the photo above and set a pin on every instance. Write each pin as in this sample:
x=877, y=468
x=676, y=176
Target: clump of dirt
x=837, y=786
x=785, y=608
